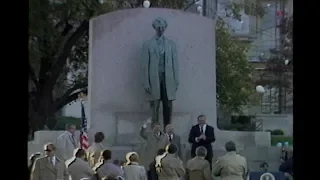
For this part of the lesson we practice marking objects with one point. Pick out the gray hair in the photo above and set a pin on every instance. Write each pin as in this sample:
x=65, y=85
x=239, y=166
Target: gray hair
x=69, y=125
x=201, y=151
x=230, y=146
x=159, y=22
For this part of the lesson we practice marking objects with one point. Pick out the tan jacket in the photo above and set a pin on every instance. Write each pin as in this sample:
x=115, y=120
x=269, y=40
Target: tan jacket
x=198, y=169
x=230, y=167
x=134, y=172
x=66, y=146
x=43, y=169
x=94, y=153
x=79, y=169
x=172, y=168
x=153, y=144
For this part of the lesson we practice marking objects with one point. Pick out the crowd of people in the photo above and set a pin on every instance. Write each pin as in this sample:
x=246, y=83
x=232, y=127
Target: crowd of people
x=161, y=158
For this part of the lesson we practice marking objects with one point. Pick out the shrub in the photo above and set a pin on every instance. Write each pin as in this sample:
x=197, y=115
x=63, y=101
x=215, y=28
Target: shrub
x=277, y=132
x=63, y=120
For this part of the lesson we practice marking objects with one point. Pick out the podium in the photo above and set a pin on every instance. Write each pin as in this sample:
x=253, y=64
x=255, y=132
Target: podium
x=266, y=176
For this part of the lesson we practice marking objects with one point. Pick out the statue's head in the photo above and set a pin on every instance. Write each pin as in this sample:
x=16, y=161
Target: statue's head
x=160, y=25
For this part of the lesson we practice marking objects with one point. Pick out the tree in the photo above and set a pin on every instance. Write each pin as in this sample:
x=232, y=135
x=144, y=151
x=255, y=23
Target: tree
x=58, y=51
x=234, y=83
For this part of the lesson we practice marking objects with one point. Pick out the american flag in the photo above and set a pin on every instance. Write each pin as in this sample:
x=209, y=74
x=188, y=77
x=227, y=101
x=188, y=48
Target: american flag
x=84, y=144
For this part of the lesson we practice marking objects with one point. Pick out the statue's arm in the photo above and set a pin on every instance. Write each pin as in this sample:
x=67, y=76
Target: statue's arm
x=145, y=64
x=175, y=63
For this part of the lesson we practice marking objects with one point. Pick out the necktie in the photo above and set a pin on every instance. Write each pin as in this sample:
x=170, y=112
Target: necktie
x=201, y=129
x=52, y=161
x=170, y=138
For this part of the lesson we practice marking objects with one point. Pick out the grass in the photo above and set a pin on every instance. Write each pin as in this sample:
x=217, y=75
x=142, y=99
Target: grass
x=275, y=139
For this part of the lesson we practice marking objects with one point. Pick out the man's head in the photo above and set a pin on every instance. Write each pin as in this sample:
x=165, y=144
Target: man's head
x=230, y=146
x=71, y=128
x=156, y=126
x=201, y=151
x=172, y=149
x=201, y=120
x=160, y=25
x=106, y=154
x=81, y=154
x=98, y=137
x=169, y=129
x=161, y=151
x=50, y=149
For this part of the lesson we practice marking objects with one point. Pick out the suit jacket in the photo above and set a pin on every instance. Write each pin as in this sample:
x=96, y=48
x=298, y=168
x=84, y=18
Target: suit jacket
x=66, y=146
x=176, y=141
x=151, y=58
x=94, y=153
x=172, y=168
x=134, y=172
x=79, y=169
x=153, y=144
x=230, y=167
x=195, y=132
x=107, y=168
x=43, y=169
x=198, y=169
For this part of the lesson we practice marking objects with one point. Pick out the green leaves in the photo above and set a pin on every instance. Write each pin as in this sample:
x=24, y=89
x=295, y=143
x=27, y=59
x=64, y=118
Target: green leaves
x=235, y=87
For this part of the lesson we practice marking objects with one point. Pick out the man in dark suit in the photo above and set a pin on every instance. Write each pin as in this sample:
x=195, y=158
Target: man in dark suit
x=202, y=135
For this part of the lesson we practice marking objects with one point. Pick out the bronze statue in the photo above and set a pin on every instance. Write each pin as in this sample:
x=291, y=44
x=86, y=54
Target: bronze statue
x=160, y=72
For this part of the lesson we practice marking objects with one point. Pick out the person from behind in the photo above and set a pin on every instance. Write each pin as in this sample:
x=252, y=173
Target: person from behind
x=198, y=168
x=154, y=139
x=106, y=167
x=169, y=166
x=230, y=166
x=67, y=143
x=134, y=171
x=152, y=173
x=49, y=167
x=79, y=168
x=287, y=167
x=33, y=158
x=95, y=150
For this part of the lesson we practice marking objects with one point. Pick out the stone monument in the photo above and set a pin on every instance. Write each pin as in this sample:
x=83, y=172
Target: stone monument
x=160, y=71
x=117, y=100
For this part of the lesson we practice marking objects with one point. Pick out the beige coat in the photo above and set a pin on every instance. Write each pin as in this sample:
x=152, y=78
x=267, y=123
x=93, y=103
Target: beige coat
x=94, y=153
x=230, y=167
x=198, y=169
x=79, y=169
x=172, y=168
x=134, y=172
x=153, y=144
x=66, y=146
x=43, y=169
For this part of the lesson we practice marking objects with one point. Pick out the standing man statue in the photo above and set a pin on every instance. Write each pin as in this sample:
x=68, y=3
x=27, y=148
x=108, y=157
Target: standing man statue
x=160, y=72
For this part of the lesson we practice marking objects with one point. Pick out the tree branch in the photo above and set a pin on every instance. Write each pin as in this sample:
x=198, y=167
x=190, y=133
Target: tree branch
x=64, y=52
x=69, y=96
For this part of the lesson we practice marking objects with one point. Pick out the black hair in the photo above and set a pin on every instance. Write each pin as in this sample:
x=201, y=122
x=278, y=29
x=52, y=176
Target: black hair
x=80, y=153
x=106, y=154
x=172, y=149
x=201, y=116
x=98, y=137
x=230, y=146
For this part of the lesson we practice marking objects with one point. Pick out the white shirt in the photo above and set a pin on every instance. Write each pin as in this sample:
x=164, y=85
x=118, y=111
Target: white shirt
x=170, y=136
x=203, y=128
x=52, y=160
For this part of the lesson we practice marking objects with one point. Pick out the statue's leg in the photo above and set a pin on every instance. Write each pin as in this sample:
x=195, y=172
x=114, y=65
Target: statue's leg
x=155, y=110
x=167, y=112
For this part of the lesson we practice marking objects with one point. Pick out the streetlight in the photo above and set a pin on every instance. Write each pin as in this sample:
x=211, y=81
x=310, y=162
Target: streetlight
x=260, y=89
x=286, y=62
x=146, y=4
